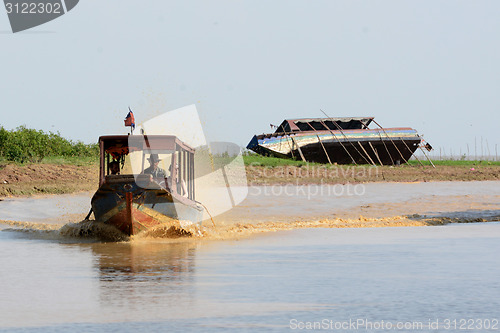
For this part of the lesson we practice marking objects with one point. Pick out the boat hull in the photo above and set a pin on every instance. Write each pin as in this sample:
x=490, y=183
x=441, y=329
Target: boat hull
x=388, y=147
x=133, y=209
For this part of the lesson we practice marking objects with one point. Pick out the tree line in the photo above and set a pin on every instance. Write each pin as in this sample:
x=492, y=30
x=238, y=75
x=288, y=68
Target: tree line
x=30, y=145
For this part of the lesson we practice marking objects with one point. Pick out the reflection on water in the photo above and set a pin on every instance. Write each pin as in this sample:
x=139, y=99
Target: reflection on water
x=144, y=261
x=143, y=272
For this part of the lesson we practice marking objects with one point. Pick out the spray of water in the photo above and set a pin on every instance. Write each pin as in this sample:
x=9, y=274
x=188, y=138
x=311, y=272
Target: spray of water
x=92, y=231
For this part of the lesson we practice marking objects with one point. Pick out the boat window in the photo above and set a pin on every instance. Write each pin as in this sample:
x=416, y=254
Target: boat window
x=318, y=126
x=285, y=127
x=136, y=162
x=303, y=126
x=133, y=162
x=180, y=176
x=353, y=124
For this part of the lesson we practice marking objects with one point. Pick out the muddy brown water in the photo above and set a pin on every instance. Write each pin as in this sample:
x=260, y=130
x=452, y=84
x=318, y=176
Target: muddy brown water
x=56, y=278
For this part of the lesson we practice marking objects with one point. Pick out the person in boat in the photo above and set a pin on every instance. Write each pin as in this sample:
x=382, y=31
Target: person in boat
x=114, y=168
x=180, y=184
x=154, y=168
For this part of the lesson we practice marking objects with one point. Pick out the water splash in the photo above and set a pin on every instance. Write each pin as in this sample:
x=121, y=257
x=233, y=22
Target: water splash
x=86, y=230
x=89, y=229
x=93, y=231
x=240, y=230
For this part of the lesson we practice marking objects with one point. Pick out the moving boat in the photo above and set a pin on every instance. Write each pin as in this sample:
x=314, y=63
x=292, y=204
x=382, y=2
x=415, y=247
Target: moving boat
x=341, y=140
x=133, y=198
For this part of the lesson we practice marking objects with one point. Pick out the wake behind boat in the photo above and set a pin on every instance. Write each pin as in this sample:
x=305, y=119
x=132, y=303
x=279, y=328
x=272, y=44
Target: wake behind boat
x=132, y=197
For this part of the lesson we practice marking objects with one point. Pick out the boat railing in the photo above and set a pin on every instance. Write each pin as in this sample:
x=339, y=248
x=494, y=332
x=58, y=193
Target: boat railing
x=115, y=179
x=141, y=180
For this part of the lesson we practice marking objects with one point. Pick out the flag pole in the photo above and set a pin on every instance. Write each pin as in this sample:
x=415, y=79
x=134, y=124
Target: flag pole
x=131, y=127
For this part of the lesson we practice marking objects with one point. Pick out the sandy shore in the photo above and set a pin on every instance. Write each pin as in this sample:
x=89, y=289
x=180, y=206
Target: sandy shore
x=16, y=180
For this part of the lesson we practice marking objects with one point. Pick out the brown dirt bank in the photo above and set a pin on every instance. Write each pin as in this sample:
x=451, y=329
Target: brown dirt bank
x=19, y=180
x=341, y=174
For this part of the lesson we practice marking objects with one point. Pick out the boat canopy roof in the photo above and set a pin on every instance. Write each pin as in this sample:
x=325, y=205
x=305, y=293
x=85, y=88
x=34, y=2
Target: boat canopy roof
x=119, y=145
x=323, y=124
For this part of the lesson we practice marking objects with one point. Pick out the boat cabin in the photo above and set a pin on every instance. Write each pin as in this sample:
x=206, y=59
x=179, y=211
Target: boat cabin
x=136, y=153
x=323, y=124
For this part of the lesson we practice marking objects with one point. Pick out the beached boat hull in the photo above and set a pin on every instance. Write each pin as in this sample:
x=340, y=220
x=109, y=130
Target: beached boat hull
x=133, y=208
x=364, y=146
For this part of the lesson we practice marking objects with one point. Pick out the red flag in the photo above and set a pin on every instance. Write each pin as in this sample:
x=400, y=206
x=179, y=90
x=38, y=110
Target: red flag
x=129, y=120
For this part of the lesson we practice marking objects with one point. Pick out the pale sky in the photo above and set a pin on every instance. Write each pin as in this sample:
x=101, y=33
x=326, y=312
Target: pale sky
x=430, y=65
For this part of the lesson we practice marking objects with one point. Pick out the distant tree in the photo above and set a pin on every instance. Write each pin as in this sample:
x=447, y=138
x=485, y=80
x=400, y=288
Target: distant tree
x=29, y=145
